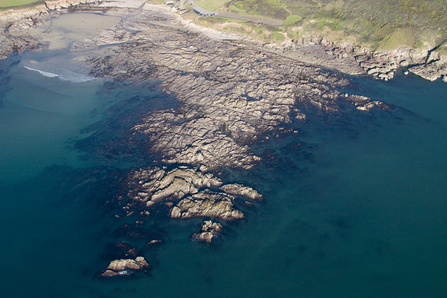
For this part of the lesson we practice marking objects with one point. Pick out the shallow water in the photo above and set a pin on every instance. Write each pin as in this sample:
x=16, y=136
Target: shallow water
x=357, y=211
x=61, y=32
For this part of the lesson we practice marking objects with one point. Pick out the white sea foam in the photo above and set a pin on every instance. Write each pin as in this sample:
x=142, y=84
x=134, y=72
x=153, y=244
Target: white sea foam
x=75, y=77
x=44, y=73
x=65, y=75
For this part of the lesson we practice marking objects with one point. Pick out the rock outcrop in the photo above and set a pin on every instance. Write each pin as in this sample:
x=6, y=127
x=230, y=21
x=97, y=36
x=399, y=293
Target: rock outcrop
x=153, y=185
x=356, y=59
x=210, y=230
x=126, y=267
x=242, y=190
x=206, y=204
x=195, y=193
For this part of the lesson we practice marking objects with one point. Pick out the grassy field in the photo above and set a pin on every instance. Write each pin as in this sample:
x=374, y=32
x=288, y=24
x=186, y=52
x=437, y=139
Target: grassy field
x=213, y=5
x=381, y=24
x=13, y=3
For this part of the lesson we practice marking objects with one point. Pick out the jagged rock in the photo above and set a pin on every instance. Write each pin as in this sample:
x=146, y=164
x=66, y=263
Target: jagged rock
x=230, y=92
x=207, y=204
x=149, y=186
x=355, y=59
x=242, y=190
x=210, y=230
x=123, y=267
x=364, y=104
x=429, y=72
x=152, y=242
x=152, y=185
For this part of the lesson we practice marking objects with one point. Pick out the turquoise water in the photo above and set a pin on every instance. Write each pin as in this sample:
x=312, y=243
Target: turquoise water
x=358, y=211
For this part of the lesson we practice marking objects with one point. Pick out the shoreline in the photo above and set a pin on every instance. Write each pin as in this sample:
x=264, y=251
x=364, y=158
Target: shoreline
x=346, y=57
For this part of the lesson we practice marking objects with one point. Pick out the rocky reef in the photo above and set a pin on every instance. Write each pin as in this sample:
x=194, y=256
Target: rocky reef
x=232, y=94
x=149, y=187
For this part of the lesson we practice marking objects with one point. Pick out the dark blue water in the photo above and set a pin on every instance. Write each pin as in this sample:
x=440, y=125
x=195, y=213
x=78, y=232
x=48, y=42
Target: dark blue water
x=357, y=210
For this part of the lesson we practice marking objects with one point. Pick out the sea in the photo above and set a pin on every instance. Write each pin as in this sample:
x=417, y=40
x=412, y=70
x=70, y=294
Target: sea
x=354, y=205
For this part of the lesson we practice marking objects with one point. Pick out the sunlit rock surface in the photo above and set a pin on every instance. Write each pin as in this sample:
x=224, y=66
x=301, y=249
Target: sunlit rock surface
x=207, y=204
x=210, y=230
x=242, y=190
x=125, y=267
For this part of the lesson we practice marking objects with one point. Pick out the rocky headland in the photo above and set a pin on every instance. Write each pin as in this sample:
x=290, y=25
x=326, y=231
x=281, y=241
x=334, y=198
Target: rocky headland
x=232, y=94
x=356, y=59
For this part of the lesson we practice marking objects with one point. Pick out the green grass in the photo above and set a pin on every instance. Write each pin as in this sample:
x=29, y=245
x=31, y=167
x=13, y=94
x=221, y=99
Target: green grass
x=213, y=5
x=382, y=24
x=14, y=3
x=291, y=20
x=276, y=36
x=399, y=38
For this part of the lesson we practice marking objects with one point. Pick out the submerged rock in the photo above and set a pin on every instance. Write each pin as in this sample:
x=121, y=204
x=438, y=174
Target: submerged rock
x=122, y=250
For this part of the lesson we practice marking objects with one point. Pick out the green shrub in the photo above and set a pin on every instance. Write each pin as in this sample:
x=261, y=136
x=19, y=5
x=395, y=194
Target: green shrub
x=276, y=36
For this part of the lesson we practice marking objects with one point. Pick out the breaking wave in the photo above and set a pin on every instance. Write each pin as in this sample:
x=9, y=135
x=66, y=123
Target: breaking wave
x=44, y=73
x=65, y=75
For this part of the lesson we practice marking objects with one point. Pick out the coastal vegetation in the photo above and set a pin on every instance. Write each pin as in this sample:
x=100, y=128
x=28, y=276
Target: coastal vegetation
x=13, y=3
x=380, y=24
